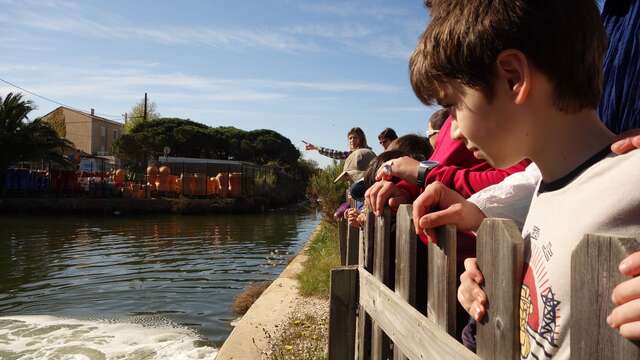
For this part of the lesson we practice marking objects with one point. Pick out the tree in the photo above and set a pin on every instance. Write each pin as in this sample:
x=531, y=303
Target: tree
x=187, y=138
x=136, y=115
x=191, y=139
x=21, y=140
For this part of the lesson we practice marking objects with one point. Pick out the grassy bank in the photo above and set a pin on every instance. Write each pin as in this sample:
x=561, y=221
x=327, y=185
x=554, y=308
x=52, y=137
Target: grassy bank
x=323, y=254
x=304, y=335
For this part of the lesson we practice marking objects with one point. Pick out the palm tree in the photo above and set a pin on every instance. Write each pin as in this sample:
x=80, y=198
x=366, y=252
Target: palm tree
x=22, y=140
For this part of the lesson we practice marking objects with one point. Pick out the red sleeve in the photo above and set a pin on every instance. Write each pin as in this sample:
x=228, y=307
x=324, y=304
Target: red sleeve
x=468, y=181
x=412, y=189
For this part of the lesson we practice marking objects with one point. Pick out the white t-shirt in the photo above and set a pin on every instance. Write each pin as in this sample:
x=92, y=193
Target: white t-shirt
x=603, y=197
x=510, y=198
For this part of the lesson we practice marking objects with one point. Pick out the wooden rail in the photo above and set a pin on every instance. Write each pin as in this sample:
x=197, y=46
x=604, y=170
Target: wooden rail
x=382, y=308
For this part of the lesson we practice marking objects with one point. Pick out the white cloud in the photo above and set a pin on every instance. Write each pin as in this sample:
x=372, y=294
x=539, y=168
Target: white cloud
x=229, y=38
x=384, y=46
x=57, y=4
x=333, y=31
x=421, y=109
x=337, y=86
x=351, y=8
x=353, y=36
x=85, y=87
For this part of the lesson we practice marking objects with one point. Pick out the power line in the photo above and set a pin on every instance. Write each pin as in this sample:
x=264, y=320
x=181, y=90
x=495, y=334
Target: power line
x=48, y=99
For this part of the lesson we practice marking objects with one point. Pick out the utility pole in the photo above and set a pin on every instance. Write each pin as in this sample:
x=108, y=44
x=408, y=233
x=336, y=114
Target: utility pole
x=145, y=106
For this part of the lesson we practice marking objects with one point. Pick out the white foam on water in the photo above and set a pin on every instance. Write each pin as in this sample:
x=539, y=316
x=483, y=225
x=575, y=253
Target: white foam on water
x=48, y=337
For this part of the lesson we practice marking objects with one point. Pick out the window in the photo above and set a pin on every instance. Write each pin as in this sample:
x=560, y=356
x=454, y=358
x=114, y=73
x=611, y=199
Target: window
x=103, y=131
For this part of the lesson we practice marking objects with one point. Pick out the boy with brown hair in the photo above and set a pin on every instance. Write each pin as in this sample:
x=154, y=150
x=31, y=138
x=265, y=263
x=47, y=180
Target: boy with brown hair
x=522, y=79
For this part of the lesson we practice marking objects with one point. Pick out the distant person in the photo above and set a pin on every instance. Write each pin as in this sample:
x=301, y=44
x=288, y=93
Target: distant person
x=356, y=165
x=411, y=145
x=436, y=121
x=355, y=216
x=357, y=140
x=354, y=169
x=416, y=146
x=386, y=137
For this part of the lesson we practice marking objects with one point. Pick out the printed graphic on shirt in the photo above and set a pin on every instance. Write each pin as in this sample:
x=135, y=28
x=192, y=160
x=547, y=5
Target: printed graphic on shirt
x=538, y=307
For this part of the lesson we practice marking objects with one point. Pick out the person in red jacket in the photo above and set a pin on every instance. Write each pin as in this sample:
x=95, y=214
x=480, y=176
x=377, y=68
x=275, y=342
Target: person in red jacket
x=451, y=164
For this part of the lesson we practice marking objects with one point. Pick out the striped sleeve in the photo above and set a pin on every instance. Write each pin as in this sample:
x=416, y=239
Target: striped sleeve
x=334, y=154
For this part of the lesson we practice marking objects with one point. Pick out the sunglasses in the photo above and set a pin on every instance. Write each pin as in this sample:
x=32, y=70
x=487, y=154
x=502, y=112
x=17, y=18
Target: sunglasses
x=432, y=133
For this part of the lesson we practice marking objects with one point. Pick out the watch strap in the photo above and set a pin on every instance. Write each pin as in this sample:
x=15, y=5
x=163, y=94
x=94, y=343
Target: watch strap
x=423, y=170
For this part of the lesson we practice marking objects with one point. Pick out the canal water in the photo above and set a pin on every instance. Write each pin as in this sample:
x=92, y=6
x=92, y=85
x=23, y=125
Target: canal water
x=143, y=288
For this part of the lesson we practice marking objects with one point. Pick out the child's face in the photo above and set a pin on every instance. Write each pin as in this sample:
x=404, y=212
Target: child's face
x=488, y=129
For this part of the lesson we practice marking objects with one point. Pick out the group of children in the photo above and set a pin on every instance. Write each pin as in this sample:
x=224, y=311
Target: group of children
x=528, y=137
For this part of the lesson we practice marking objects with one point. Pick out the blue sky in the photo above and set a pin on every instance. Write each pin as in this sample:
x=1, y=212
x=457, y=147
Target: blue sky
x=308, y=69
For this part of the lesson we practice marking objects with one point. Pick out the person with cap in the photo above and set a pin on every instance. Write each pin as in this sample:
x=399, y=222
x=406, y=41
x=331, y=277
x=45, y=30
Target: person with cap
x=354, y=169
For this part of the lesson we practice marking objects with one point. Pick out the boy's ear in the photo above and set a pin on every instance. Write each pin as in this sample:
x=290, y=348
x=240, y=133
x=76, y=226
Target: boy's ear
x=514, y=72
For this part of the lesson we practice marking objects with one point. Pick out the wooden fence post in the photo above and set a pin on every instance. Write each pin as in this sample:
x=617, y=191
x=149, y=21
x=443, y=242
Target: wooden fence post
x=365, y=261
x=380, y=343
x=500, y=258
x=441, y=279
x=342, y=313
x=594, y=275
x=353, y=237
x=406, y=257
x=343, y=228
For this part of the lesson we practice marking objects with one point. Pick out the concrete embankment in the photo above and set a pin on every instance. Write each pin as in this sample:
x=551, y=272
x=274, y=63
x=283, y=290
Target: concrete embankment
x=250, y=337
x=122, y=206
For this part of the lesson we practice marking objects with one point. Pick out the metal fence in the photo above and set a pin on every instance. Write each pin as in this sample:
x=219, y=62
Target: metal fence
x=194, y=180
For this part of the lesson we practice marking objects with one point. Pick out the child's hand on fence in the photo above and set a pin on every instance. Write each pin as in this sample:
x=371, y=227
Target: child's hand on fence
x=352, y=215
x=629, y=140
x=626, y=316
x=470, y=295
x=384, y=193
x=453, y=210
x=405, y=168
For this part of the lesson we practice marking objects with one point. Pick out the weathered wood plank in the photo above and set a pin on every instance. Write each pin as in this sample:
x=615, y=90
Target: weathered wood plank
x=380, y=345
x=406, y=245
x=381, y=248
x=500, y=250
x=342, y=238
x=417, y=336
x=342, y=313
x=353, y=237
x=406, y=256
x=366, y=264
x=441, y=279
x=594, y=275
x=365, y=259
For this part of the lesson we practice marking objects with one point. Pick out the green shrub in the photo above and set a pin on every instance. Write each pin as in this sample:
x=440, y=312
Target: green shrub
x=329, y=194
x=323, y=254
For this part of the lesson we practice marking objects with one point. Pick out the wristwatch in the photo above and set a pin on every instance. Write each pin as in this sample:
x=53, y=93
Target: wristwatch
x=423, y=170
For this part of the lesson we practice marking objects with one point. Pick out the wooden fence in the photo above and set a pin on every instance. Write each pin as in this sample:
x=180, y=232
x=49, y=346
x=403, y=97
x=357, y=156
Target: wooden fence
x=399, y=301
